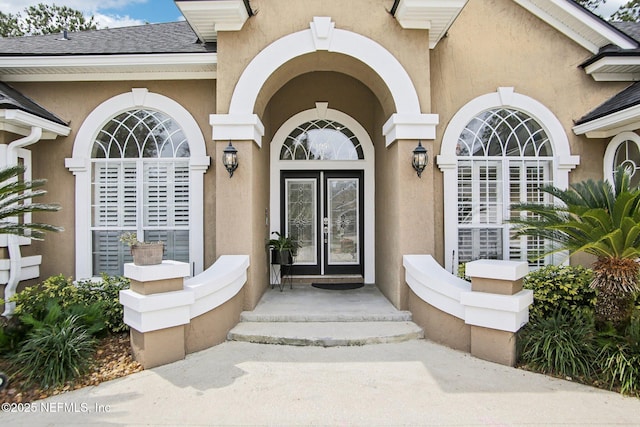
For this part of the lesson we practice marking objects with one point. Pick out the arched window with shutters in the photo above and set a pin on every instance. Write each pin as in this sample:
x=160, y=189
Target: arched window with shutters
x=139, y=160
x=497, y=150
x=140, y=183
x=504, y=156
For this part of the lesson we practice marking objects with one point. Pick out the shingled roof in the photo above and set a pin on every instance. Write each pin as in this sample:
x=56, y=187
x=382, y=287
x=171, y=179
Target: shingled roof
x=11, y=99
x=627, y=98
x=173, y=37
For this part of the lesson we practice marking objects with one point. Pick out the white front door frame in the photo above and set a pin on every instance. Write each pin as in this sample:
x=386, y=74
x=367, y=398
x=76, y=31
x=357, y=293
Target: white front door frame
x=367, y=165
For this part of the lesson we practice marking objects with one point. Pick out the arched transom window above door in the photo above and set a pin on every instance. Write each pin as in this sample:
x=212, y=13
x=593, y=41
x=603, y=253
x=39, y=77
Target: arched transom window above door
x=321, y=140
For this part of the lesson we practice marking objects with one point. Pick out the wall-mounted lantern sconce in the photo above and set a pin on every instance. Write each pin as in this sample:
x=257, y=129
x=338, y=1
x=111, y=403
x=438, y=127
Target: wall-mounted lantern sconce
x=230, y=159
x=419, y=159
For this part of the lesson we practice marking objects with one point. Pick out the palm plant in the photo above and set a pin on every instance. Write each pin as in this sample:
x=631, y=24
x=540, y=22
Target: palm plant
x=599, y=219
x=14, y=202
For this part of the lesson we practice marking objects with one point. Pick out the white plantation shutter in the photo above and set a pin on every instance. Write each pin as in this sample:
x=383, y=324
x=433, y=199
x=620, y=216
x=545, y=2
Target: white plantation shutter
x=143, y=190
x=504, y=156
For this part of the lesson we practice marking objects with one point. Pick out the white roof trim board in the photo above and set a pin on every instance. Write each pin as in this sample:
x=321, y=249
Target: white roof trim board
x=208, y=17
x=611, y=124
x=435, y=16
x=109, y=67
x=615, y=68
x=587, y=30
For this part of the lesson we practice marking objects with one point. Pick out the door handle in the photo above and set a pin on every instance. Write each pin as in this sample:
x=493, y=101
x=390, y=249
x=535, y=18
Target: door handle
x=325, y=229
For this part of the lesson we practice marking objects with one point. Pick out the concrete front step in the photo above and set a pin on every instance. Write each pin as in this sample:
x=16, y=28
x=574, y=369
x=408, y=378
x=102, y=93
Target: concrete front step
x=325, y=334
x=390, y=316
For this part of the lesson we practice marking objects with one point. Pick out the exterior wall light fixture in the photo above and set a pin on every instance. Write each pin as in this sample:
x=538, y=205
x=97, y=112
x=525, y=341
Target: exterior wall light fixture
x=230, y=159
x=420, y=159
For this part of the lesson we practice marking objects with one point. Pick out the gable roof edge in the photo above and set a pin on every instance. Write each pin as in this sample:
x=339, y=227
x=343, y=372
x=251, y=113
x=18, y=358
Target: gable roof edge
x=579, y=24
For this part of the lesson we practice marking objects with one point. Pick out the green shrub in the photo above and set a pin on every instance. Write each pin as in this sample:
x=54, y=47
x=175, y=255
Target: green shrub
x=34, y=299
x=56, y=350
x=561, y=343
x=560, y=288
x=72, y=297
x=619, y=358
x=107, y=294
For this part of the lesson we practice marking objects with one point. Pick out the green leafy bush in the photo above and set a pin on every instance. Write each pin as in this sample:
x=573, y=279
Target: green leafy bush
x=56, y=350
x=562, y=343
x=35, y=299
x=107, y=294
x=619, y=358
x=70, y=296
x=559, y=288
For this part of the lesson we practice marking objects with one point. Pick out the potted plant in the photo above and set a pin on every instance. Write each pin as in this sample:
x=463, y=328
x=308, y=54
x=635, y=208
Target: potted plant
x=144, y=253
x=283, y=249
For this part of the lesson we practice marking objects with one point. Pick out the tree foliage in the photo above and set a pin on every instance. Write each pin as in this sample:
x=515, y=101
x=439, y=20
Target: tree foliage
x=15, y=196
x=44, y=19
x=630, y=11
x=599, y=219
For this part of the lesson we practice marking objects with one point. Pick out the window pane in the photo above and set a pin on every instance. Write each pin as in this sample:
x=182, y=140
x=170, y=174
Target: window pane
x=321, y=140
x=109, y=254
x=628, y=155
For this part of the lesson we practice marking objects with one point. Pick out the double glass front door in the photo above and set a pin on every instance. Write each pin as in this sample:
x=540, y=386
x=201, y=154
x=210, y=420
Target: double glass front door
x=323, y=211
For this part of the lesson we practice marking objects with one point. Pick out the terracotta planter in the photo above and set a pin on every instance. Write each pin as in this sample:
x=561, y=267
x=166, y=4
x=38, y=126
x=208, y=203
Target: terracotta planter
x=147, y=253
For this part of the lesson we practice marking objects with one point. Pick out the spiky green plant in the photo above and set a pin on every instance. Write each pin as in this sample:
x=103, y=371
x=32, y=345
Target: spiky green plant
x=14, y=202
x=561, y=343
x=599, y=219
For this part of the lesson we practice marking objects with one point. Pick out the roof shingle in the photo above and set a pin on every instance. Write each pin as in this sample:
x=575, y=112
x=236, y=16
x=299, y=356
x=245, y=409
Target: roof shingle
x=11, y=99
x=172, y=37
x=627, y=98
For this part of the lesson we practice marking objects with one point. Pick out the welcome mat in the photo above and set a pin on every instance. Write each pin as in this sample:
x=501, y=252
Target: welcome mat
x=337, y=286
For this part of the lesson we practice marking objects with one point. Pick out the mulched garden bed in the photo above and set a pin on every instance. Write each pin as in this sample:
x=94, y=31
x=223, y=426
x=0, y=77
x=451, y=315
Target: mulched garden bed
x=112, y=359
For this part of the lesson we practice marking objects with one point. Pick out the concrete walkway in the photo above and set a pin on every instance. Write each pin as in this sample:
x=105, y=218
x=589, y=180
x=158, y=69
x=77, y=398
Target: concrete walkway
x=415, y=383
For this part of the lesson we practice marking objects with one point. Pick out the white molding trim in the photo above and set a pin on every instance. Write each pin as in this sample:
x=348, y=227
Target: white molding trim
x=371, y=53
x=210, y=16
x=237, y=127
x=80, y=165
x=506, y=97
x=435, y=16
x=367, y=165
x=581, y=26
x=497, y=269
x=200, y=294
x=610, y=152
x=109, y=67
x=410, y=126
x=614, y=68
x=452, y=295
x=611, y=124
x=21, y=122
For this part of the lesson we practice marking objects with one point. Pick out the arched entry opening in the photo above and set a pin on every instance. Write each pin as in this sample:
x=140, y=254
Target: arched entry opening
x=322, y=192
x=394, y=122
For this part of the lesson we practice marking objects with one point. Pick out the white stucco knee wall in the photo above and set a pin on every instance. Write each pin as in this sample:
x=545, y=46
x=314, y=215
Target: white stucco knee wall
x=201, y=294
x=452, y=295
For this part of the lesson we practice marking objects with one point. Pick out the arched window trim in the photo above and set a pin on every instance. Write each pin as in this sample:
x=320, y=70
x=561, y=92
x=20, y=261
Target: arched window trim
x=80, y=165
x=612, y=147
x=505, y=97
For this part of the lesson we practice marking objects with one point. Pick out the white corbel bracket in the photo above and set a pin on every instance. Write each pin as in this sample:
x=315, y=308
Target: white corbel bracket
x=410, y=126
x=237, y=127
